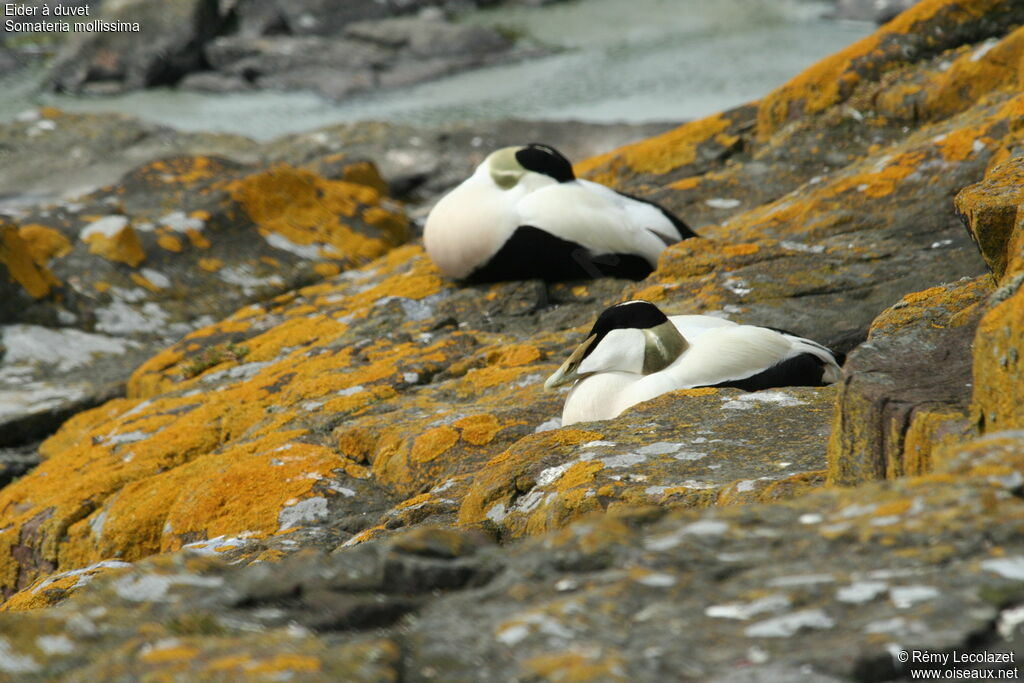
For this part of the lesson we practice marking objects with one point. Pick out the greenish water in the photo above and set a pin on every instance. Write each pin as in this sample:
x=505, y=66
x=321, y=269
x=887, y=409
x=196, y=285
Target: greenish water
x=642, y=60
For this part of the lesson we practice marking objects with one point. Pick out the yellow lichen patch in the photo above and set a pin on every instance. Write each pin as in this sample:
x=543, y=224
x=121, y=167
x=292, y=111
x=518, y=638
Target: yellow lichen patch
x=101, y=286
x=930, y=430
x=943, y=305
x=702, y=391
x=478, y=430
x=364, y=173
x=44, y=243
x=979, y=70
x=187, y=171
x=141, y=281
x=122, y=247
x=963, y=142
x=174, y=653
x=990, y=208
x=433, y=443
x=686, y=183
x=577, y=667
x=652, y=293
x=741, y=249
x=304, y=208
x=51, y=590
x=197, y=239
x=326, y=269
x=285, y=663
x=211, y=265
x=662, y=153
x=480, y=379
x=16, y=256
x=514, y=355
x=881, y=183
x=834, y=78
x=999, y=367
x=169, y=242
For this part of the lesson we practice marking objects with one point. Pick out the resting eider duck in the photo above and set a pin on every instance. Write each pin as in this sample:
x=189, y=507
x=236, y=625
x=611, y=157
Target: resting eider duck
x=523, y=215
x=635, y=352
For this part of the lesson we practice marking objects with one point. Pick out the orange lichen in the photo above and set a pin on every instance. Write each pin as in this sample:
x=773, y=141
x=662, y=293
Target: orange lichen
x=479, y=429
x=16, y=256
x=652, y=293
x=962, y=143
x=974, y=73
x=326, y=269
x=211, y=265
x=702, y=391
x=835, y=78
x=999, y=367
x=514, y=355
x=124, y=247
x=686, y=183
x=944, y=305
x=285, y=663
x=304, y=208
x=576, y=667
x=741, y=249
x=44, y=243
x=144, y=282
x=169, y=242
x=169, y=654
x=433, y=443
x=662, y=153
x=197, y=239
x=991, y=210
x=186, y=170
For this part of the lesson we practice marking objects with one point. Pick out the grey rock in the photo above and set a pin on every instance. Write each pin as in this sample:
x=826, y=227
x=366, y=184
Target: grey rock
x=367, y=55
x=167, y=46
x=16, y=461
x=878, y=11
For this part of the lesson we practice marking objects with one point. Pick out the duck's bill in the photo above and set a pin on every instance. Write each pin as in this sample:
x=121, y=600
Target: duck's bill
x=569, y=372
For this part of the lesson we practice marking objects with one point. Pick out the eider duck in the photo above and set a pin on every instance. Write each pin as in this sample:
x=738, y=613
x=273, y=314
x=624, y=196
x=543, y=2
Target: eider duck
x=523, y=214
x=635, y=352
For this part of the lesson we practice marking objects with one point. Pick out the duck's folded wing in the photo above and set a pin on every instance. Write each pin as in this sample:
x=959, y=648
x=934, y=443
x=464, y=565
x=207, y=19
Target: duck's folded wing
x=728, y=355
x=668, y=227
x=573, y=213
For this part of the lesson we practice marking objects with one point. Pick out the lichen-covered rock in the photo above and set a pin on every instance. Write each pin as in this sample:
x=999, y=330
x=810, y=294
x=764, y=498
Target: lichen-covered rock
x=98, y=284
x=362, y=478
x=692, y=448
x=54, y=156
x=930, y=563
x=908, y=387
x=992, y=214
x=998, y=348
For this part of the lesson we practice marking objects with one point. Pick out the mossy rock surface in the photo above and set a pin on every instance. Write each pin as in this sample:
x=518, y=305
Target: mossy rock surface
x=361, y=478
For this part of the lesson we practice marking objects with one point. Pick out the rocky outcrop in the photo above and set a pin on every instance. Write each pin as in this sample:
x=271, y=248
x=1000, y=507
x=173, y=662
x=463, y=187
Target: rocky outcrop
x=95, y=286
x=60, y=155
x=155, y=44
x=377, y=487
x=335, y=49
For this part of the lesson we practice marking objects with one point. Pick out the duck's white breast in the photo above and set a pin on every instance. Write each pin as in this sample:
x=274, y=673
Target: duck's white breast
x=597, y=397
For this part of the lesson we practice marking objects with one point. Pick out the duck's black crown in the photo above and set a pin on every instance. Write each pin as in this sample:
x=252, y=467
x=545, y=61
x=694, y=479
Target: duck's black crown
x=546, y=160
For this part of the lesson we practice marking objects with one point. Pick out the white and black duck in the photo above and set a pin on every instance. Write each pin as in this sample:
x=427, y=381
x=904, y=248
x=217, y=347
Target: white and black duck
x=523, y=214
x=634, y=352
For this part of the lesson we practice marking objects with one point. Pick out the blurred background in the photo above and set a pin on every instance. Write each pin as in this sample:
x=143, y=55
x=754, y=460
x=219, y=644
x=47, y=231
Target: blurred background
x=263, y=68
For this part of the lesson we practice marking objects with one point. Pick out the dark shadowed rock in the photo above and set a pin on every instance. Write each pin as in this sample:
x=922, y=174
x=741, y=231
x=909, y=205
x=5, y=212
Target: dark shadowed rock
x=167, y=46
x=363, y=56
x=340, y=499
